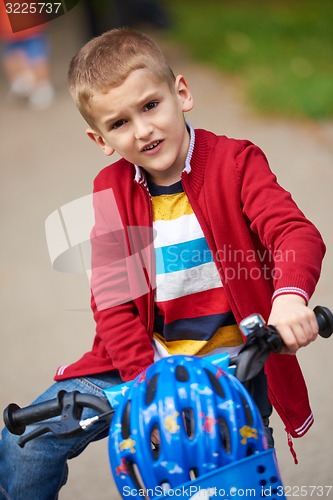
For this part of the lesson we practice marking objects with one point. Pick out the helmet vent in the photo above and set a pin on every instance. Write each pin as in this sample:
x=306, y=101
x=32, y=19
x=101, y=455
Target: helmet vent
x=151, y=391
x=247, y=410
x=135, y=473
x=166, y=486
x=182, y=374
x=215, y=383
x=249, y=452
x=125, y=421
x=188, y=419
x=155, y=442
x=193, y=474
x=225, y=435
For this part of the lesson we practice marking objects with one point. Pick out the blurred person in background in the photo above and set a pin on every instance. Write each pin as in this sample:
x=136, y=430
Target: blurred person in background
x=102, y=16
x=25, y=62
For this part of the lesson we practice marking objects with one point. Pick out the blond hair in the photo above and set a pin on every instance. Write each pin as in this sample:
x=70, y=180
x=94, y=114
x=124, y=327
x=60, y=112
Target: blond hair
x=106, y=61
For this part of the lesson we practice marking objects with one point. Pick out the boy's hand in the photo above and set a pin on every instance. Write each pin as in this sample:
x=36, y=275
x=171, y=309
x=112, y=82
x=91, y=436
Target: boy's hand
x=295, y=322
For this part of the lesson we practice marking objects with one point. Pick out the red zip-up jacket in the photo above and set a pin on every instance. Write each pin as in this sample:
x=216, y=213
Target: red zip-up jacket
x=261, y=242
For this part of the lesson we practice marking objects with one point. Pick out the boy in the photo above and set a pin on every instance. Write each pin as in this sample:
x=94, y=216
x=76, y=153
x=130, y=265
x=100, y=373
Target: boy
x=228, y=241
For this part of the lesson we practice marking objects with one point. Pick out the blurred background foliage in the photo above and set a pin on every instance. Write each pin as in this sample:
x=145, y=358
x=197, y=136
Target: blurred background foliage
x=282, y=50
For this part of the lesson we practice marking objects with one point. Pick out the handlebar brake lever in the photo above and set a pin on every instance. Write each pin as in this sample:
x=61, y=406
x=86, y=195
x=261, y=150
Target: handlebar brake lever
x=57, y=428
x=249, y=362
x=68, y=425
x=261, y=340
x=39, y=431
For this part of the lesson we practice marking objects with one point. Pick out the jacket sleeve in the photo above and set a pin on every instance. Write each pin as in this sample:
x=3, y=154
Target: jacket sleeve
x=293, y=241
x=118, y=282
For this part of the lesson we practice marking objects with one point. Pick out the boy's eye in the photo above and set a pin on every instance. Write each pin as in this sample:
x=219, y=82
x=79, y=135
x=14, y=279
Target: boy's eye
x=150, y=105
x=118, y=124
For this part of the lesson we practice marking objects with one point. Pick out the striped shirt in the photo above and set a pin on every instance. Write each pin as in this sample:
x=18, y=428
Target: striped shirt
x=192, y=314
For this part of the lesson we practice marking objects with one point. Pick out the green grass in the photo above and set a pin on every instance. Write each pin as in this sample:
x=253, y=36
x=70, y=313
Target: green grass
x=282, y=50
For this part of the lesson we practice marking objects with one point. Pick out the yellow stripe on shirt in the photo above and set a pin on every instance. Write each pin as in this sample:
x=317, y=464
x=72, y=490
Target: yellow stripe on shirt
x=171, y=206
x=226, y=336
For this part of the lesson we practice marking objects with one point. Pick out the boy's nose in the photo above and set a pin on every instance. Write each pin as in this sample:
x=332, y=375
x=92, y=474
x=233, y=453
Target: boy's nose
x=143, y=129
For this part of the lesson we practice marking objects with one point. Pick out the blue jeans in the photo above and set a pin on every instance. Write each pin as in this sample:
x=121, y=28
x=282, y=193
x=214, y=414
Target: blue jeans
x=39, y=470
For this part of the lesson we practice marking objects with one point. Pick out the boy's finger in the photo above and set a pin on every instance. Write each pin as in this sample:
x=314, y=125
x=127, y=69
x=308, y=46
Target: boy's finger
x=289, y=339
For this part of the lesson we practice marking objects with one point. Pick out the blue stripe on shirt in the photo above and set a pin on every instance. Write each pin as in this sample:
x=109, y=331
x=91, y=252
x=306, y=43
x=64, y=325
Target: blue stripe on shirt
x=181, y=256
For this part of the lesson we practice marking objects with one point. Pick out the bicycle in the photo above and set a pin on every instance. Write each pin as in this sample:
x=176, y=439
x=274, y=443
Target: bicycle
x=230, y=440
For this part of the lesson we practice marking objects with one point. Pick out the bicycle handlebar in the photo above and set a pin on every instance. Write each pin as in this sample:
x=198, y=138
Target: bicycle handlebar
x=16, y=419
x=325, y=321
x=69, y=405
x=261, y=341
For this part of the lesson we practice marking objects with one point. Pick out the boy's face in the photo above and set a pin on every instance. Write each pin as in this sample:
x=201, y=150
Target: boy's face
x=143, y=121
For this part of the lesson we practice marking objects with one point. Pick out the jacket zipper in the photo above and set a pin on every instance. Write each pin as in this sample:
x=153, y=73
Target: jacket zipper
x=150, y=272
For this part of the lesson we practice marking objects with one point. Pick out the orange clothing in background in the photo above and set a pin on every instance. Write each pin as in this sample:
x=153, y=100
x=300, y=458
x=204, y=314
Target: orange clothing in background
x=6, y=32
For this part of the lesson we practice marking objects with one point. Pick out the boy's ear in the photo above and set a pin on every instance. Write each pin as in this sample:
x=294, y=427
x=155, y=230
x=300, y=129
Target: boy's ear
x=98, y=139
x=183, y=91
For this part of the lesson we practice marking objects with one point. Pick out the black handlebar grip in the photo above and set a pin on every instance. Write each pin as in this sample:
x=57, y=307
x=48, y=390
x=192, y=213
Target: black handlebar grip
x=16, y=419
x=325, y=321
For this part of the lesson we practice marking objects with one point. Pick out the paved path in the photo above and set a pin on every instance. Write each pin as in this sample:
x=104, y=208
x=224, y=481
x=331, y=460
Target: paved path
x=45, y=319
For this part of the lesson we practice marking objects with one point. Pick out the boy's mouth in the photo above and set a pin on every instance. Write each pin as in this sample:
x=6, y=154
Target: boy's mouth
x=151, y=146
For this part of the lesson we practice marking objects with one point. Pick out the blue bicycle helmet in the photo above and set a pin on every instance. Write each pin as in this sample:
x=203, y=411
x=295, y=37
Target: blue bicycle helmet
x=203, y=417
